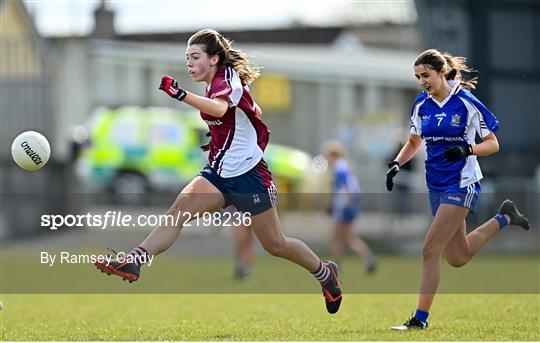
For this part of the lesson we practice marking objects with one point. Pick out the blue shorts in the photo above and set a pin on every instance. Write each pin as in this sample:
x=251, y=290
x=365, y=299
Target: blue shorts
x=252, y=192
x=347, y=213
x=464, y=197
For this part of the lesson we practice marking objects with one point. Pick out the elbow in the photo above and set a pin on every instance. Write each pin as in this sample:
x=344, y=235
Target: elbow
x=490, y=149
x=216, y=112
x=492, y=144
x=496, y=147
x=219, y=110
x=415, y=142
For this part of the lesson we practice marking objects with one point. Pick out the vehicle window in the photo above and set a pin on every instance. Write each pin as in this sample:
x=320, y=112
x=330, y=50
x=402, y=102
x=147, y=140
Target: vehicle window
x=165, y=134
x=125, y=134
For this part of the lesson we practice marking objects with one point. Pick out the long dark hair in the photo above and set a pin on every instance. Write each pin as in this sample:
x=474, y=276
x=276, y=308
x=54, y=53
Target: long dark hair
x=217, y=45
x=453, y=66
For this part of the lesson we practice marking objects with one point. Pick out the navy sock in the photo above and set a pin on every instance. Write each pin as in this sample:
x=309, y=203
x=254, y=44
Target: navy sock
x=502, y=220
x=421, y=315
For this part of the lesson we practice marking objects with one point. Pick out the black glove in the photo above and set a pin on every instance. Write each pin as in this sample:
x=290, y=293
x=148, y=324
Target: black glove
x=456, y=153
x=206, y=147
x=393, y=169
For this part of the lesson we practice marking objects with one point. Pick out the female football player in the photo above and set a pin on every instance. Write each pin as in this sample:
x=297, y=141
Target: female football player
x=345, y=206
x=236, y=172
x=446, y=116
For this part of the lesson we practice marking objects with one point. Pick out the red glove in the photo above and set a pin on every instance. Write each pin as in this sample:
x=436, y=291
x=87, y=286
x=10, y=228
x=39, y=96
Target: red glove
x=170, y=86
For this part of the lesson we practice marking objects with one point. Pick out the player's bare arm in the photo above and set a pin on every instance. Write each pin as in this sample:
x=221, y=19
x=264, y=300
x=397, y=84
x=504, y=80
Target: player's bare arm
x=215, y=107
x=489, y=146
x=410, y=149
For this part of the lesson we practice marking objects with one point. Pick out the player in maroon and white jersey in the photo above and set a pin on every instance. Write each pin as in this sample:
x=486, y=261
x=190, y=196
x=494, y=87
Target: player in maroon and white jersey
x=239, y=137
x=236, y=173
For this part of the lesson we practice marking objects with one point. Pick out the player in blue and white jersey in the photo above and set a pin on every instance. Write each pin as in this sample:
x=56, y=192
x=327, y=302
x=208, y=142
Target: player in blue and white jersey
x=447, y=117
x=345, y=206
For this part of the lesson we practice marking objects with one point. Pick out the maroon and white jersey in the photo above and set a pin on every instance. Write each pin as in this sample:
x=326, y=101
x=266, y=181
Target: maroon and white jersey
x=239, y=137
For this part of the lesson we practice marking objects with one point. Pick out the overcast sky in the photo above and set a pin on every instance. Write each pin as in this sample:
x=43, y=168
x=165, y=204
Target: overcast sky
x=63, y=17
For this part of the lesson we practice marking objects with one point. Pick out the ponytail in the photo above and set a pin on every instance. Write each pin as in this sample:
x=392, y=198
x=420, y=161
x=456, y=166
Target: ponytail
x=456, y=65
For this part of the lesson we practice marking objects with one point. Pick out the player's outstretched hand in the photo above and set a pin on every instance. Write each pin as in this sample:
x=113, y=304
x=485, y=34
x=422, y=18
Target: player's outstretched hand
x=393, y=169
x=170, y=86
x=456, y=153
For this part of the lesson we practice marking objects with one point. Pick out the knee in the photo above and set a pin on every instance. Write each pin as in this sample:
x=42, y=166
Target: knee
x=184, y=204
x=276, y=248
x=178, y=203
x=457, y=262
x=429, y=252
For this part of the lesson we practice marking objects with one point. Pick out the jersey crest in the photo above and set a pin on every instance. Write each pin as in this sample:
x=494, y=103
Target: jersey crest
x=456, y=119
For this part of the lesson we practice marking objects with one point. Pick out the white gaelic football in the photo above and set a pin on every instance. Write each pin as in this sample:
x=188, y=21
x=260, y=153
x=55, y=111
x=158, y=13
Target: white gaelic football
x=30, y=150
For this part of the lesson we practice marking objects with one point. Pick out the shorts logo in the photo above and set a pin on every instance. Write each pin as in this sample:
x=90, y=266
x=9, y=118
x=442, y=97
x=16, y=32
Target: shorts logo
x=256, y=199
x=456, y=118
x=451, y=197
x=272, y=192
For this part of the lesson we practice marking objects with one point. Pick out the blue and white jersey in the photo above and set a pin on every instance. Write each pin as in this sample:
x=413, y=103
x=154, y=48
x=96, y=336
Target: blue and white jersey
x=454, y=121
x=345, y=184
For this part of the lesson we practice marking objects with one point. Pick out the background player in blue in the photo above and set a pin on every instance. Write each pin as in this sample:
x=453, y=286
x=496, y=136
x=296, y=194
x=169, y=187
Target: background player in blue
x=345, y=206
x=236, y=173
x=447, y=117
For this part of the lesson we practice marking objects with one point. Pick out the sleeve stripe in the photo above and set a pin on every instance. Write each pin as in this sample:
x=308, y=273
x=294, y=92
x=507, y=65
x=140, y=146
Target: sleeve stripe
x=480, y=114
x=484, y=130
x=234, y=82
x=414, y=117
x=228, y=76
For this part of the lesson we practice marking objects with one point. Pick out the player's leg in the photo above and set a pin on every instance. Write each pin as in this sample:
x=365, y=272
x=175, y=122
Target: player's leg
x=462, y=247
x=337, y=242
x=254, y=193
x=345, y=219
x=457, y=250
x=199, y=196
x=268, y=231
x=448, y=219
x=360, y=247
x=243, y=251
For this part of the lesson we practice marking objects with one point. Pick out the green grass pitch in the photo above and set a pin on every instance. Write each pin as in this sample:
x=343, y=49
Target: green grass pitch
x=242, y=311
x=237, y=317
